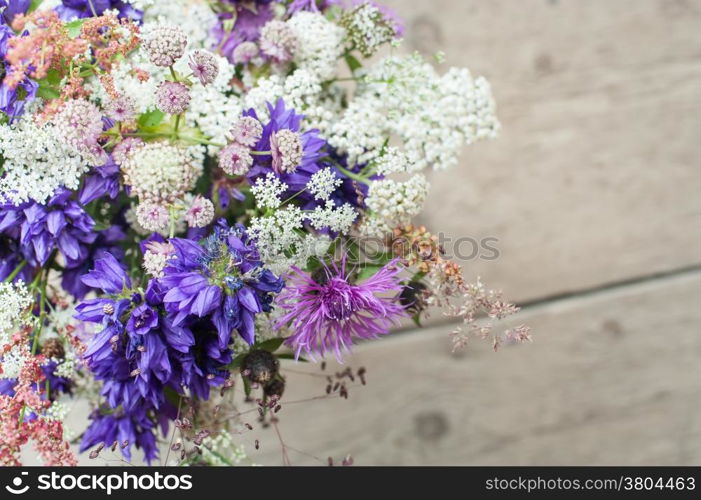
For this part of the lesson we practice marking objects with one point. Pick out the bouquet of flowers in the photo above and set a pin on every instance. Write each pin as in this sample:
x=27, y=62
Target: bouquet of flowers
x=187, y=191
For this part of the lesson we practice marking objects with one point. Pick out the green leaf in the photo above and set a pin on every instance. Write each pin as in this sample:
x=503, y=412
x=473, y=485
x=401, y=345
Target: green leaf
x=352, y=62
x=47, y=93
x=151, y=119
x=74, y=27
x=34, y=5
x=417, y=320
x=236, y=362
x=270, y=345
x=172, y=396
x=246, y=385
x=53, y=77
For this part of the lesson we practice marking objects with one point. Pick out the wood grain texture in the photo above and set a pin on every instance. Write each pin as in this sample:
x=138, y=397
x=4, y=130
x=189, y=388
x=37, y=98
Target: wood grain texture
x=613, y=378
x=595, y=176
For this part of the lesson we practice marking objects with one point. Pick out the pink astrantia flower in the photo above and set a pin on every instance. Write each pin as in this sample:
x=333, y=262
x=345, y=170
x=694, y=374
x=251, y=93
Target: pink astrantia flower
x=327, y=312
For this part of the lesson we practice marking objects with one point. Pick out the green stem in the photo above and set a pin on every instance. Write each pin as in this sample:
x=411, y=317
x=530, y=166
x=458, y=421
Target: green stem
x=42, y=314
x=348, y=173
x=35, y=340
x=177, y=126
x=173, y=74
x=172, y=221
x=293, y=196
x=201, y=141
x=196, y=140
x=261, y=153
x=16, y=271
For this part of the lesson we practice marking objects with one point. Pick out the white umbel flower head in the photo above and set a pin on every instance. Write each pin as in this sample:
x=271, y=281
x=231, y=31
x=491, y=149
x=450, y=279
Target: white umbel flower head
x=367, y=28
x=160, y=172
x=337, y=219
x=267, y=191
x=320, y=43
x=37, y=161
x=394, y=203
x=14, y=300
x=323, y=183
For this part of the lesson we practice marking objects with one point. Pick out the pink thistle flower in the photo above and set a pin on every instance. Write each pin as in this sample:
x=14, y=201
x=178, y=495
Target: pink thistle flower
x=245, y=52
x=172, y=97
x=204, y=66
x=247, y=131
x=121, y=109
x=121, y=151
x=200, y=213
x=235, y=159
x=327, y=312
x=165, y=44
x=277, y=41
x=287, y=151
x=80, y=123
x=152, y=217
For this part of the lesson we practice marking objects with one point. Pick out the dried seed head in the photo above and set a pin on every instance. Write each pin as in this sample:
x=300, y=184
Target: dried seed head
x=53, y=348
x=261, y=365
x=274, y=388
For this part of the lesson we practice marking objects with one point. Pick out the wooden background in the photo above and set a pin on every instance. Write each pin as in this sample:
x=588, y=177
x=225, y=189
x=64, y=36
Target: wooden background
x=592, y=190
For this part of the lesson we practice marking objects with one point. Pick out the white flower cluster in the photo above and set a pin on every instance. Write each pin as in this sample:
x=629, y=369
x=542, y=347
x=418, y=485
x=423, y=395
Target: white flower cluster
x=213, y=108
x=320, y=43
x=323, y=183
x=394, y=203
x=267, y=191
x=15, y=298
x=155, y=262
x=57, y=411
x=67, y=367
x=395, y=161
x=433, y=116
x=222, y=450
x=194, y=17
x=37, y=161
x=301, y=90
x=367, y=28
x=161, y=172
x=12, y=362
x=282, y=242
x=337, y=219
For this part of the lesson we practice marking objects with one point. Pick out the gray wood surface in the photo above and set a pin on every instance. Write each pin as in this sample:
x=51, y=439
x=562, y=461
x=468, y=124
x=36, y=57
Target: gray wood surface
x=612, y=378
x=595, y=177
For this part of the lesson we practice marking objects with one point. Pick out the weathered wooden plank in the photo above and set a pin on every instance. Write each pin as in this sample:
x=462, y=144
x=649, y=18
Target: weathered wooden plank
x=612, y=378
x=594, y=178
